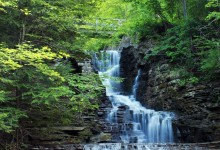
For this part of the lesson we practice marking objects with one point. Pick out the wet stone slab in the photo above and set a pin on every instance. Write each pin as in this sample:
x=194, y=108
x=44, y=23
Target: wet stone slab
x=134, y=146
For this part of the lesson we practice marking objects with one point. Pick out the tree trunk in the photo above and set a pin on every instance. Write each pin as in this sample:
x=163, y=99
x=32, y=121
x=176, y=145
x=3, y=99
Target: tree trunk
x=184, y=9
x=22, y=32
x=18, y=94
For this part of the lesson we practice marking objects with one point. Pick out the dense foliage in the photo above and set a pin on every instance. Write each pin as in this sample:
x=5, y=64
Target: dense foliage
x=185, y=31
x=38, y=40
x=40, y=37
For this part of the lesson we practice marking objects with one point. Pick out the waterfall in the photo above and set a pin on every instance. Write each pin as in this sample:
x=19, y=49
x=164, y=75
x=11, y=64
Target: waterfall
x=135, y=86
x=135, y=123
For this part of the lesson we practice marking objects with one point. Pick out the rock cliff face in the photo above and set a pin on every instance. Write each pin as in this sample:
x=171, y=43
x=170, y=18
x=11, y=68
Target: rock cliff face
x=196, y=106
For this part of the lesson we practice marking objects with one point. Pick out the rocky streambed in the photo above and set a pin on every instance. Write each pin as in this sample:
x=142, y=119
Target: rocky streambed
x=121, y=146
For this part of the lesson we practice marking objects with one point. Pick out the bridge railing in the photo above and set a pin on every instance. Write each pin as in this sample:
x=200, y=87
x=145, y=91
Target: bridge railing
x=101, y=24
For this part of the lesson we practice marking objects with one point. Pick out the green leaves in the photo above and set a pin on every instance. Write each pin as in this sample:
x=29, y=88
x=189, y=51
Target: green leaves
x=51, y=95
x=18, y=66
x=9, y=118
x=209, y=53
x=2, y=96
x=87, y=89
x=36, y=74
x=194, y=47
x=214, y=5
x=27, y=55
x=211, y=62
x=176, y=44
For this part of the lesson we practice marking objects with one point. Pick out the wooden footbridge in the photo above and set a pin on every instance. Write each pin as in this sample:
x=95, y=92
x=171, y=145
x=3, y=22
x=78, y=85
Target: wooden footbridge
x=101, y=25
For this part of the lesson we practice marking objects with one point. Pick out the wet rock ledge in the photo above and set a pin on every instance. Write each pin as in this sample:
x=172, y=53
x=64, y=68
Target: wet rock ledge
x=121, y=146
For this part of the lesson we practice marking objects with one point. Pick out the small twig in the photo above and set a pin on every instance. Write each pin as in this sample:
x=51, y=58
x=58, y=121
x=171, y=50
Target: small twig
x=207, y=24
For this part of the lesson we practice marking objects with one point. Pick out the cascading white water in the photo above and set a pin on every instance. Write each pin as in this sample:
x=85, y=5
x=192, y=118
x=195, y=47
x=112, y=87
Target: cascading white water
x=142, y=146
x=135, y=86
x=135, y=123
x=108, y=67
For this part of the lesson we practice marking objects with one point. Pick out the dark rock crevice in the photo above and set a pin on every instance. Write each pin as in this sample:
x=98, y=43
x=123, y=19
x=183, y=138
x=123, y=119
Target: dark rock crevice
x=128, y=69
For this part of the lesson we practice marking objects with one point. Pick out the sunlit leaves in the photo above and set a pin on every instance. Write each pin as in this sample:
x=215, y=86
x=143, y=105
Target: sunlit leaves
x=88, y=88
x=25, y=11
x=214, y=5
x=5, y=3
x=26, y=54
x=7, y=61
x=51, y=95
x=96, y=44
x=18, y=66
x=113, y=9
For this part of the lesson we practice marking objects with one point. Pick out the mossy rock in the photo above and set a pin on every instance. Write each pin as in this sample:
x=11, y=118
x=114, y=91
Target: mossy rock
x=85, y=134
x=102, y=137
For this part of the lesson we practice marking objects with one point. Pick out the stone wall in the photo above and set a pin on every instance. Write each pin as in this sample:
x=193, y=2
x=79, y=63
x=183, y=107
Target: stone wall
x=196, y=106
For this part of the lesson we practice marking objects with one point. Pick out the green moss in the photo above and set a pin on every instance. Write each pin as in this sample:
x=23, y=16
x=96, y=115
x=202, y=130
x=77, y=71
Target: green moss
x=162, y=86
x=85, y=134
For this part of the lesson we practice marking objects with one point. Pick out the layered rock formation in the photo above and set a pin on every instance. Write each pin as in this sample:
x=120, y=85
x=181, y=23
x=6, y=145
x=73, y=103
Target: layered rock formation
x=196, y=106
